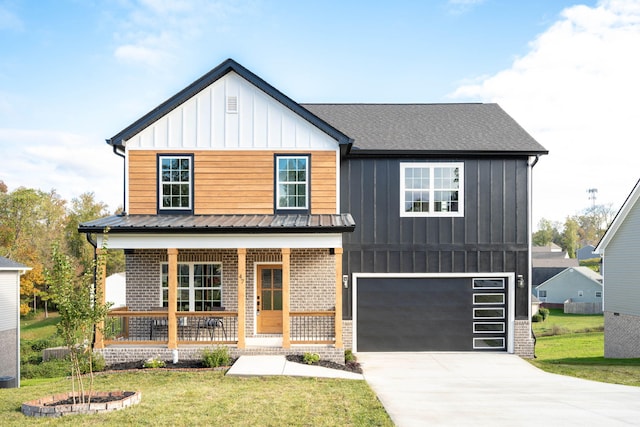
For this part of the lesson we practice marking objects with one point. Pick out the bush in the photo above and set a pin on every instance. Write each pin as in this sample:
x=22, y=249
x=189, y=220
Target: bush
x=216, y=357
x=349, y=356
x=311, y=358
x=544, y=312
x=56, y=368
x=154, y=362
x=537, y=317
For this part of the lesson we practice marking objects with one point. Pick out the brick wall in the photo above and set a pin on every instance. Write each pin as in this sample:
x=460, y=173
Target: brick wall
x=524, y=342
x=621, y=335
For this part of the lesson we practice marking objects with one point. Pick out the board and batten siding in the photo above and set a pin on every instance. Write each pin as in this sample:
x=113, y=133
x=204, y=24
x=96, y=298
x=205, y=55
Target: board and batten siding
x=231, y=182
x=492, y=236
x=206, y=122
x=621, y=267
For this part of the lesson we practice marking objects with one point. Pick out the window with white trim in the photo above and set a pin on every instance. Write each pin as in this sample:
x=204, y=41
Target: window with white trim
x=292, y=183
x=199, y=286
x=431, y=189
x=598, y=294
x=175, y=175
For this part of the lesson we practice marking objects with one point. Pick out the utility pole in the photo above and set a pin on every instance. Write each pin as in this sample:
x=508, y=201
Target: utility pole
x=592, y=196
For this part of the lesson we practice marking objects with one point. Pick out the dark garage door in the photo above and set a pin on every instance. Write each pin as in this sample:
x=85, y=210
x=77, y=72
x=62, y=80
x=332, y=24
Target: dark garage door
x=431, y=314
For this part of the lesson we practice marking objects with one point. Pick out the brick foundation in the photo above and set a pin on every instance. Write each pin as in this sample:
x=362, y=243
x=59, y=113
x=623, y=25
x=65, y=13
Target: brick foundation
x=524, y=344
x=621, y=335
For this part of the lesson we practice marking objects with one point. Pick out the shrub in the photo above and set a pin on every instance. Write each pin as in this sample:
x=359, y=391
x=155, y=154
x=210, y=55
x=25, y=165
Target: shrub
x=311, y=358
x=349, y=356
x=154, y=362
x=216, y=357
x=55, y=368
x=536, y=317
x=544, y=312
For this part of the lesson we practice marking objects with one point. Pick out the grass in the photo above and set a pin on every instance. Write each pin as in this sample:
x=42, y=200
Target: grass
x=205, y=398
x=210, y=398
x=573, y=345
x=39, y=327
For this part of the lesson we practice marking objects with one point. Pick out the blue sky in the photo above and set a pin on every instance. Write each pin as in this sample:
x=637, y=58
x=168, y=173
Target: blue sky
x=75, y=72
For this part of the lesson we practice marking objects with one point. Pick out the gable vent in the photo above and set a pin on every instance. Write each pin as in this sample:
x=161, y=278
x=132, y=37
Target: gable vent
x=232, y=104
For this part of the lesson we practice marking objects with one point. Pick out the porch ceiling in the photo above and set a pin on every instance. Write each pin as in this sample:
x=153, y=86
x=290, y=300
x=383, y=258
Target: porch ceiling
x=221, y=224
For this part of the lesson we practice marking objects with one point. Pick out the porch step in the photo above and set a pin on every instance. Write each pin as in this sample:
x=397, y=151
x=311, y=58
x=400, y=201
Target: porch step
x=264, y=341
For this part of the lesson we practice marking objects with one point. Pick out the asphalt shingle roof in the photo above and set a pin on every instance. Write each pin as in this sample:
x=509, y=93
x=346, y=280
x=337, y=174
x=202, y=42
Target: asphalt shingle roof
x=7, y=264
x=433, y=128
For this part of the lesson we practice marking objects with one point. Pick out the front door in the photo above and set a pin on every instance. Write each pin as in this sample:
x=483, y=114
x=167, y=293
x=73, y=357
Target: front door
x=269, y=299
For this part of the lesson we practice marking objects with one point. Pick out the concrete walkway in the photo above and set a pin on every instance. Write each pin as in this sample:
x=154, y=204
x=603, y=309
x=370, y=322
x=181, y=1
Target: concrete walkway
x=249, y=366
x=491, y=389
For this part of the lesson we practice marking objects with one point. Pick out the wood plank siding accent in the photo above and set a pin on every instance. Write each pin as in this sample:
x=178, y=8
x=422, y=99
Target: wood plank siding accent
x=231, y=182
x=492, y=236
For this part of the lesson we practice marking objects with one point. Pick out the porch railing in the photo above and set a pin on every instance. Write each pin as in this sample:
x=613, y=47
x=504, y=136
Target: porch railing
x=151, y=327
x=312, y=327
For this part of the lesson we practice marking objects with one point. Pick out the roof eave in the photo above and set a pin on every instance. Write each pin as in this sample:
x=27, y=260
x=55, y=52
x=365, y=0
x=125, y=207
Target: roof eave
x=443, y=153
x=221, y=230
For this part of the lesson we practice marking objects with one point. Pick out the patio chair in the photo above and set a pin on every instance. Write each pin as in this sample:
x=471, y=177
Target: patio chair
x=210, y=324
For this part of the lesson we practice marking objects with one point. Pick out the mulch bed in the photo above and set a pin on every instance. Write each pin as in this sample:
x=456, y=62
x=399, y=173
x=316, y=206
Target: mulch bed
x=111, y=397
x=349, y=366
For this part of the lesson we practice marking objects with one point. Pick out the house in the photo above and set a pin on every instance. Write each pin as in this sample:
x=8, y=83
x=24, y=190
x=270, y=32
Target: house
x=574, y=284
x=548, y=261
x=10, y=273
x=272, y=226
x=586, y=252
x=619, y=249
x=115, y=290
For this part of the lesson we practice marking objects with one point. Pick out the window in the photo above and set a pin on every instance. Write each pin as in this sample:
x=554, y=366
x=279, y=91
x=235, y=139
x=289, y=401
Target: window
x=580, y=293
x=431, y=189
x=292, y=183
x=598, y=294
x=199, y=286
x=542, y=294
x=176, y=181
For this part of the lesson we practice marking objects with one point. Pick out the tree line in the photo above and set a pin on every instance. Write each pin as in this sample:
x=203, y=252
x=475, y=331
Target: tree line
x=586, y=228
x=32, y=222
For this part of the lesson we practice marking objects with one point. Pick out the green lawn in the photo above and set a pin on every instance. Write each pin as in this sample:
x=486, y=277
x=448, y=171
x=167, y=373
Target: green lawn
x=576, y=350
x=39, y=326
x=207, y=398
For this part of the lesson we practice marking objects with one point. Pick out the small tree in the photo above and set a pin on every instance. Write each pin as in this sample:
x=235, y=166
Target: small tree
x=80, y=314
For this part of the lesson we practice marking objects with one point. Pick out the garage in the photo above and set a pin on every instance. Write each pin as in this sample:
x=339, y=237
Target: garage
x=432, y=312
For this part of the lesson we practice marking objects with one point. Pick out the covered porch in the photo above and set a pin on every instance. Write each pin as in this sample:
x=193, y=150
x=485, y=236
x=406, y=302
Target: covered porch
x=278, y=288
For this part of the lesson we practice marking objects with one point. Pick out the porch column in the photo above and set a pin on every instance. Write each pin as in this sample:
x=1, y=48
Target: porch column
x=286, y=330
x=172, y=327
x=242, y=288
x=101, y=277
x=338, y=320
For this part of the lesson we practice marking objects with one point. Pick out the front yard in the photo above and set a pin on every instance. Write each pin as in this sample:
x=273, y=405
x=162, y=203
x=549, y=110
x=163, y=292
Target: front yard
x=573, y=344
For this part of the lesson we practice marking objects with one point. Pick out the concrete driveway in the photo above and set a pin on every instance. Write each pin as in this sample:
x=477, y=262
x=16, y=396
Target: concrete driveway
x=491, y=389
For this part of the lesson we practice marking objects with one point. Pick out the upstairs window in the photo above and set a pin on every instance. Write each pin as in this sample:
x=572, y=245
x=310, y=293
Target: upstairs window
x=175, y=183
x=292, y=183
x=431, y=189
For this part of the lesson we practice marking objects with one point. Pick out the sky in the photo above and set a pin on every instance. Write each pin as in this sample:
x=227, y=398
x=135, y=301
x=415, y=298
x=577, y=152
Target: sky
x=75, y=72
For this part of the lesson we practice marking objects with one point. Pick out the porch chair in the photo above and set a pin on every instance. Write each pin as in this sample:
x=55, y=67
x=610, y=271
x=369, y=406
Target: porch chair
x=210, y=324
x=158, y=324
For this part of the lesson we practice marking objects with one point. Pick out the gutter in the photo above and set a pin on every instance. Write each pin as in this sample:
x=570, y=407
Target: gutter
x=118, y=150
x=531, y=162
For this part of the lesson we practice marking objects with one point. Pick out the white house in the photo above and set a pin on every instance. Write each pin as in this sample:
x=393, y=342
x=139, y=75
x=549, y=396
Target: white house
x=115, y=290
x=10, y=273
x=620, y=251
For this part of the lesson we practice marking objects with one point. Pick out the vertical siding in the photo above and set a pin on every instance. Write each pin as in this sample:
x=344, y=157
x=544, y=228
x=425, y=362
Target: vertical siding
x=621, y=267
x=492, y=235
x=231, y=182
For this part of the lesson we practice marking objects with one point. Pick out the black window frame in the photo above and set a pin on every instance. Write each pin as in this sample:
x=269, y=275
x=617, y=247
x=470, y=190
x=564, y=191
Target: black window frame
x=173, y=210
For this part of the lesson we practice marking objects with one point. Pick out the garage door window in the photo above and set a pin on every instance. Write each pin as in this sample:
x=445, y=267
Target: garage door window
x=488, y=283
x=488, y=299
x=488, y=327
x=488, y=343
x=488, y=313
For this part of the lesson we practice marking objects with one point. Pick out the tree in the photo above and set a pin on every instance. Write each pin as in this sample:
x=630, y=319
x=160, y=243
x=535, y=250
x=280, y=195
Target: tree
x=80, y=314
x=570, y=237
x=547, y=233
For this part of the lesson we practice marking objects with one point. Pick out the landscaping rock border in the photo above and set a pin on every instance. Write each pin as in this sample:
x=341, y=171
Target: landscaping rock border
x=106, y=401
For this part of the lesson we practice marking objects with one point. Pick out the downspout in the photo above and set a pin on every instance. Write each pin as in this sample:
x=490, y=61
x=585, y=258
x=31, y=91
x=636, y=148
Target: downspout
x=531, y=162
x=94, y=243
x=124, y=178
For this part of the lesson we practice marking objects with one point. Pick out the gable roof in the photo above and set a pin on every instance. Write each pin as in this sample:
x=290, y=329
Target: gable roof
x=588, y=273
x=481, y=129
x=7, y=264
x=628, y=205
x=208, y=79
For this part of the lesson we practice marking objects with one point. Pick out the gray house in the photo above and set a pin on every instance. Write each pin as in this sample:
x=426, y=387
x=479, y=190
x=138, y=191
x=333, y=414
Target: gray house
x=620, y=250
x=578, y=284
x=10, y=273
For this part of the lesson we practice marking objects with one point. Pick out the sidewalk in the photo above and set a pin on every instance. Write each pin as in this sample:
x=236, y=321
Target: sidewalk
x=251, y=366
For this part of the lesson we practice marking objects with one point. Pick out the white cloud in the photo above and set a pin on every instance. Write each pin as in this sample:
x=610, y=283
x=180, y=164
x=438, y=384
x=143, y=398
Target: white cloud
x=69, y=163
x=576, y=92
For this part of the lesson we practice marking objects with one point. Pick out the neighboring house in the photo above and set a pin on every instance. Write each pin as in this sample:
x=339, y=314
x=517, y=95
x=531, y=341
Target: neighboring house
x=620, y=251
x=548, y=261
x=586, y=252
x=115, y=290
x=578, y=284
x=320, y=227
x=10, y=273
